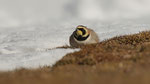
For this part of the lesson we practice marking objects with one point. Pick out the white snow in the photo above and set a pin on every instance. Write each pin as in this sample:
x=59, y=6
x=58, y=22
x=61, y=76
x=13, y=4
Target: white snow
x=31, y=47
x=11, y=61
x=29, y=31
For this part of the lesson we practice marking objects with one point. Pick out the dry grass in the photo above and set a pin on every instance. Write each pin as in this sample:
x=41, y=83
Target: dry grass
x=129, y=47
x=120, y=60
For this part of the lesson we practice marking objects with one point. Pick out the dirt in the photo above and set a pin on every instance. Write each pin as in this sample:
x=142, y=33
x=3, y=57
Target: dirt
x=119, y=60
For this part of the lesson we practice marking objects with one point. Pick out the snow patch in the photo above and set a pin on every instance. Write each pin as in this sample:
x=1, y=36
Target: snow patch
x=32, y=60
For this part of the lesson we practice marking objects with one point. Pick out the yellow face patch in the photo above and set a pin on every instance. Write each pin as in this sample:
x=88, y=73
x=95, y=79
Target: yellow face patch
x=86, y=34
x=79, y=32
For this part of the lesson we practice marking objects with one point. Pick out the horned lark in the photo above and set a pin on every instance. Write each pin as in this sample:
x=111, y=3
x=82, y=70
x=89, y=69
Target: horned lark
x=82, y=36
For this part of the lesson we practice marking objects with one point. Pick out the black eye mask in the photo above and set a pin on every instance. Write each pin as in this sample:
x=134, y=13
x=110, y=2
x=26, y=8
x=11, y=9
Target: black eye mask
x=80, y=38
x=83, y=31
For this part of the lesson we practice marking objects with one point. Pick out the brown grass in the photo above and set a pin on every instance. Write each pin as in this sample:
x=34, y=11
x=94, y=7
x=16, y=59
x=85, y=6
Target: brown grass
x=120, y=60
x=129, y=47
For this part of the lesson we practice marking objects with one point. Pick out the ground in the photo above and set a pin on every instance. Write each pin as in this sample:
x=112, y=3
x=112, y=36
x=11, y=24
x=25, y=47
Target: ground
x=119, y=60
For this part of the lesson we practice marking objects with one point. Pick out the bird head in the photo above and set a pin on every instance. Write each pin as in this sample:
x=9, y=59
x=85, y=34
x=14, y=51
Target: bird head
x=81, y=32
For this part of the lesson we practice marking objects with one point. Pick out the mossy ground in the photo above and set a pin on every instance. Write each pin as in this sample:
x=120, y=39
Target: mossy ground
x=119, y=60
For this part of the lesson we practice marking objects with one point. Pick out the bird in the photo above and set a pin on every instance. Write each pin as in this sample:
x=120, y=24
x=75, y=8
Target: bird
x=83, y=36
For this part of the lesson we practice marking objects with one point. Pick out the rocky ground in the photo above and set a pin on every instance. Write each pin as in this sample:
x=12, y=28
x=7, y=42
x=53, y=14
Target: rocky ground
x=119, y=60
